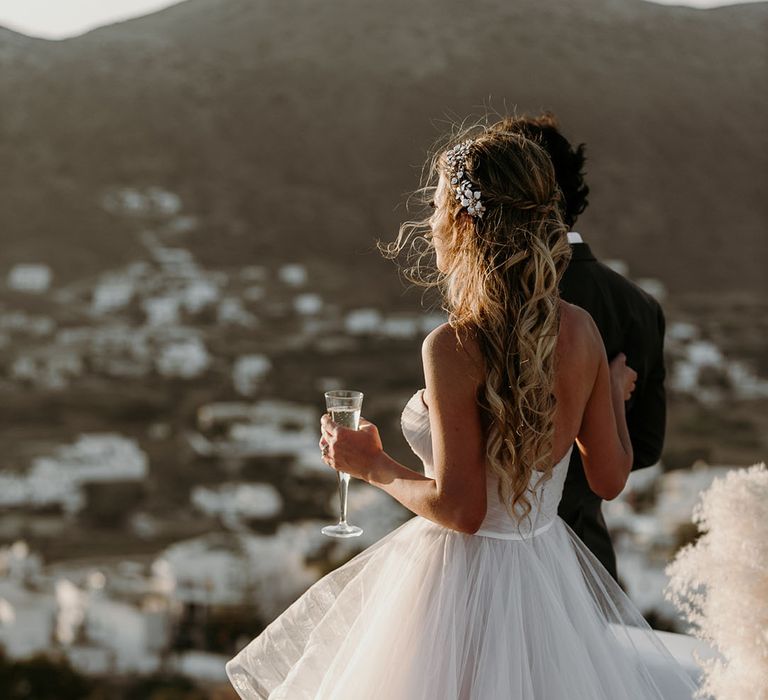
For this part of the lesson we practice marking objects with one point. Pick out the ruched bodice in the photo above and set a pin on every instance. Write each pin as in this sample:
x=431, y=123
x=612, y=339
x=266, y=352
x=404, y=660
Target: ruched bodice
x=544, y=498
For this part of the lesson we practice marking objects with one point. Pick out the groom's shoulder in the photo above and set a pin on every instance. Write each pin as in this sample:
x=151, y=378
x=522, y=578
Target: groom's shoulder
x=627, y=290
x=580, y=276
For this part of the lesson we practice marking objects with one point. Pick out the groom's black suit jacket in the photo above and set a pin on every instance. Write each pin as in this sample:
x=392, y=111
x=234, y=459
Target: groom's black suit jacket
x=630, y=321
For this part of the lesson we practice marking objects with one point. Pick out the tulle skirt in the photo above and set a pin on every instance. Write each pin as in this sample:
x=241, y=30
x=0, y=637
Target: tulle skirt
x=429, y=613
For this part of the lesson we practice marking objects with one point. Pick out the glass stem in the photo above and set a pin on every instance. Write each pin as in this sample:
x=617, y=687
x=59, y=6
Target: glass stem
x=343, y=488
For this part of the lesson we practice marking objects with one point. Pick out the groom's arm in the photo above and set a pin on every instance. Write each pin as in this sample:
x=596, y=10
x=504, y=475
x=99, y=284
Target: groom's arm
x=648, y=417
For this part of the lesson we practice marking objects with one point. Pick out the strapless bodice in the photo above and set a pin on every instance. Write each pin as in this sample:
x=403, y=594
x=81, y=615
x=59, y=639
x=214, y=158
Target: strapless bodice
x=544, y=498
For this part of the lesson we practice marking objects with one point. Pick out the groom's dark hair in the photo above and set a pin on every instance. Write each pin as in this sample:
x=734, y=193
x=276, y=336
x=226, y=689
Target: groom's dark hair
x=567, y=160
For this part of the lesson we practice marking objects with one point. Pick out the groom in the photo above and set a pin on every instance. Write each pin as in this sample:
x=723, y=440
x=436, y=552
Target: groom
x=629, y=320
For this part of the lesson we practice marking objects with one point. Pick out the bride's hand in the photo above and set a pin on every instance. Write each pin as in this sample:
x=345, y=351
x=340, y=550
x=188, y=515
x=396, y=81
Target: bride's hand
x=623, y=378
x=347, y=450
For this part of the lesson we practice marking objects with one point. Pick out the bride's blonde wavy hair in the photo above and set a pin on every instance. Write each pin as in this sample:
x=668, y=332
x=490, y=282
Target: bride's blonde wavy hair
x=501, y=280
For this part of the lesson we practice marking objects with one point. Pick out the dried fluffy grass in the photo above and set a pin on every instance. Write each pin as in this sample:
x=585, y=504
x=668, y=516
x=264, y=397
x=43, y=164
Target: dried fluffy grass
x=720, y=584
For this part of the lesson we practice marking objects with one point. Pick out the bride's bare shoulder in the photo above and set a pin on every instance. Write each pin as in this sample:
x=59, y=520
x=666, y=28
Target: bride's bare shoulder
x=579, y=344
x=577, y=327
x=454, y=349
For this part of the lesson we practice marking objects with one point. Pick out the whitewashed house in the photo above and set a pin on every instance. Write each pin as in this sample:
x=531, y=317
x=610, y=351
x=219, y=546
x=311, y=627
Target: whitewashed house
x=223, y=569
x=57, y=479
x=185, y=358
x=308, y=304
x=112, y=293
x=162, y=310
x=34, y=278
x=231, y=311
x=234, y=502
x=363, y=321
x=135, y=637
x=248, y=372
x=293, y=275
x=28, y=622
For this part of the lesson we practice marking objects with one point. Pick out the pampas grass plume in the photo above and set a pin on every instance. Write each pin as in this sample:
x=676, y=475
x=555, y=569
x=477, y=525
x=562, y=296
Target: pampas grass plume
x=720, y=584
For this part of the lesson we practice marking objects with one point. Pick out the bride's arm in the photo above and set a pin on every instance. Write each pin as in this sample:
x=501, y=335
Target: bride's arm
x=455, y=498
x=603, y=439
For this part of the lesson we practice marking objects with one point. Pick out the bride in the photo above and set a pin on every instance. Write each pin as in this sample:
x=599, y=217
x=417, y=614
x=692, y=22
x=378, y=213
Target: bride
x=486, y=594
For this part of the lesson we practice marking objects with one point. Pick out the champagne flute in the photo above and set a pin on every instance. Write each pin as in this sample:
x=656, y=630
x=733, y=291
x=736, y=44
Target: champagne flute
x=345, y=407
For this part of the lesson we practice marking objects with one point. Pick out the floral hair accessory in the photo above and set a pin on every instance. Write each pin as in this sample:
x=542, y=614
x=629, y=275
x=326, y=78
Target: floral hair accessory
x=463, y=190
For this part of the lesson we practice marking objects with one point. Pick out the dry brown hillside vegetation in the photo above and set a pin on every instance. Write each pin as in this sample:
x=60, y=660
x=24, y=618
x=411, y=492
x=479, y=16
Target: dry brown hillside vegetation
x=293, y=129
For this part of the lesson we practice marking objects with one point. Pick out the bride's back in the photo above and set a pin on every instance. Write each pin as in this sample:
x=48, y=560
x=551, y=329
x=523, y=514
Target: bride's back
x=577, y=353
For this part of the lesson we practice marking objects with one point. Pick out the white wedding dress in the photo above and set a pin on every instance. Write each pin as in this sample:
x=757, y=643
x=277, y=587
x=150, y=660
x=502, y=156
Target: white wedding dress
x=513, y=612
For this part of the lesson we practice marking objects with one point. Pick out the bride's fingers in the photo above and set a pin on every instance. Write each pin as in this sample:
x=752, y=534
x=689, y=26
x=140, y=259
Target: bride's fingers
x=325, y=454
x=327, y=426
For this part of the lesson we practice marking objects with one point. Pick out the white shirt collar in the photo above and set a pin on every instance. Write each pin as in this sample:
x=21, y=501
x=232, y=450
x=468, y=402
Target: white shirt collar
x=574, y=237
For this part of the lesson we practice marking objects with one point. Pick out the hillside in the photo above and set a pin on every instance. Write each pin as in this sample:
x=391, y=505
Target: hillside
x=291, y=130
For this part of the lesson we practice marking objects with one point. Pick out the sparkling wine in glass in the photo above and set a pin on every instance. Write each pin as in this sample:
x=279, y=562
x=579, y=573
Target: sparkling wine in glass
x=344, y=407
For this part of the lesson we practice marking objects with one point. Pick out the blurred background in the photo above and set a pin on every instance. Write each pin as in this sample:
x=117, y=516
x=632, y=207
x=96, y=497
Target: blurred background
x=189, y=205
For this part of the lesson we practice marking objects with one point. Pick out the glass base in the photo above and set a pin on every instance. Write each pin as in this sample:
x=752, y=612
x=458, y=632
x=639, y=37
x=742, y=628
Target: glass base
x=342, y=530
